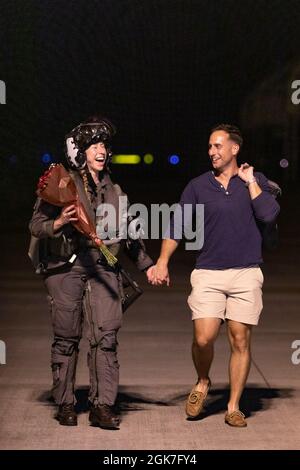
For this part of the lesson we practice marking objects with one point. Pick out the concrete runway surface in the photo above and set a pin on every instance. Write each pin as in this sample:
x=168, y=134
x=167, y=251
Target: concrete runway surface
x=156, y=367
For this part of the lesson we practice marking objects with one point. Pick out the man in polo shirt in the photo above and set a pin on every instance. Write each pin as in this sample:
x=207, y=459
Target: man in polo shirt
x=227, y=280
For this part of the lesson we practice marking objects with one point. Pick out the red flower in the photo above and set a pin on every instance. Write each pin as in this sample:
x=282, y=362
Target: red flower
x=57, y=187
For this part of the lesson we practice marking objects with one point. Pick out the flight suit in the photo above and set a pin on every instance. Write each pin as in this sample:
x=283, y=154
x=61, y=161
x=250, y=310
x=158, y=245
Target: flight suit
x=88, y=288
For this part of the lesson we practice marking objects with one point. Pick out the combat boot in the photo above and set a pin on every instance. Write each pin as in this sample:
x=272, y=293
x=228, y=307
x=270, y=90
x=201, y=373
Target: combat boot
x=66, y=415
x=104, y=417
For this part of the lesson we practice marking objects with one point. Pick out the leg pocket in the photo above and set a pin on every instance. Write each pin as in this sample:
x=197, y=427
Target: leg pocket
x=105, y=303
x=66, y=319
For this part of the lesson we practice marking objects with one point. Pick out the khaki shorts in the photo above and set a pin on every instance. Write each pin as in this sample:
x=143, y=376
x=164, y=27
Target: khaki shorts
x=232, y=294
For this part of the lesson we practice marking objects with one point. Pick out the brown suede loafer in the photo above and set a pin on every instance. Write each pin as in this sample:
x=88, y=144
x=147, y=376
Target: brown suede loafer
x=236, y=419
x=195, y=401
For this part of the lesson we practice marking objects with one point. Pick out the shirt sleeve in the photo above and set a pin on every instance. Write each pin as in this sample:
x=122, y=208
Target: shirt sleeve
x=41, y=224
x=136, y=251
x=135, y=248
x=265, y=206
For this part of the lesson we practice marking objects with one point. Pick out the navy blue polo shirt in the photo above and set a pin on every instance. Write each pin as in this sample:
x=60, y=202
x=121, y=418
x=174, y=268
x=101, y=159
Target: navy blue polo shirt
x=231, y=236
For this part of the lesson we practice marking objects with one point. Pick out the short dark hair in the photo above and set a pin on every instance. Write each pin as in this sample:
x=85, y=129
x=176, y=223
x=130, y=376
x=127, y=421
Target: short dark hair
x=233, y=132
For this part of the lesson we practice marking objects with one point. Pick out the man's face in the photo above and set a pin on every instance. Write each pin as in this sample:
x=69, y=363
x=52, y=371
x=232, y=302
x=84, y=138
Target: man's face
x=221, y=150
x=96, y=156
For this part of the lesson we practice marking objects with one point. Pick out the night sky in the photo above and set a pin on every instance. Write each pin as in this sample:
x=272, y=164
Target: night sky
x=164, y=71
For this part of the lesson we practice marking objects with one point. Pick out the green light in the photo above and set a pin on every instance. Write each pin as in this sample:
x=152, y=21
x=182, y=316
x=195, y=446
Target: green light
x=126, y=159
x=148, y=158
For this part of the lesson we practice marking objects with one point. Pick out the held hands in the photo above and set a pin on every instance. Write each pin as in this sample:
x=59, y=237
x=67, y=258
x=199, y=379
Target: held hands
x=158, y=274
x=68, y=214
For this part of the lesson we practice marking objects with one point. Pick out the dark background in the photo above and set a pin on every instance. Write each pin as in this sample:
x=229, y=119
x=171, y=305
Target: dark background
x=164, y=71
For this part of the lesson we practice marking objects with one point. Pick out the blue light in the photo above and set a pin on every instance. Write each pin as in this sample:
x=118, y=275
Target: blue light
x=46, y=158
x=174, y=159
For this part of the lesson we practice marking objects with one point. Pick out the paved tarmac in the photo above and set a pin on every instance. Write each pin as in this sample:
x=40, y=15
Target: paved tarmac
x=156, y=367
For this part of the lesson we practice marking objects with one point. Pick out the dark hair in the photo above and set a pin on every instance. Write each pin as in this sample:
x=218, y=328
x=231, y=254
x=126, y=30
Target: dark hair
x=233, y=132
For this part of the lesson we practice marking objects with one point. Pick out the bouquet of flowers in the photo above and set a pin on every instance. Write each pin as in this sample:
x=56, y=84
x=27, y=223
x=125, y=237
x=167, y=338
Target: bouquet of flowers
x=57, y=187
